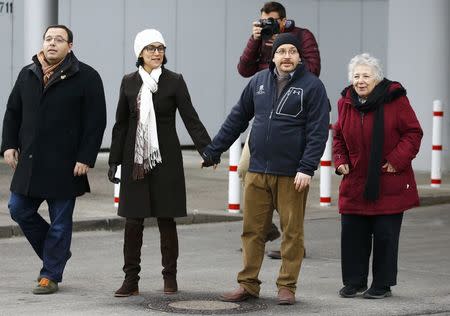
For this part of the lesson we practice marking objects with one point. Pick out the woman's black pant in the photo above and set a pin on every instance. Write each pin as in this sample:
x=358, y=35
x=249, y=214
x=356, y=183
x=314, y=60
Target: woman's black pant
x=357, y=235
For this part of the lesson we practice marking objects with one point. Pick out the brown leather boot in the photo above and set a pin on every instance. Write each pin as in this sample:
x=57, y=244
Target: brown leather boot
x=170, y=286
x=132, y=257
x=169, y=252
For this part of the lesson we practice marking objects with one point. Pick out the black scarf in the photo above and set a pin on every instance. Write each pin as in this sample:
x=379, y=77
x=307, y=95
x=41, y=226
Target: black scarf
x=375, y=102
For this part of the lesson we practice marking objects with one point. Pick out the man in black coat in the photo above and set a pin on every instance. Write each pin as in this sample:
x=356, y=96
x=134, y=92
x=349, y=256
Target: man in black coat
x=52, y=131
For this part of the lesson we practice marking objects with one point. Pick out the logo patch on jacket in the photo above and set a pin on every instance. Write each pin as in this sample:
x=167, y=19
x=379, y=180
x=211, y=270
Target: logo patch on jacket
x=291, y=104
x=260, y=90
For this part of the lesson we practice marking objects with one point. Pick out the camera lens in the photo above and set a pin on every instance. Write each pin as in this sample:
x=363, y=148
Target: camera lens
x=266, y=32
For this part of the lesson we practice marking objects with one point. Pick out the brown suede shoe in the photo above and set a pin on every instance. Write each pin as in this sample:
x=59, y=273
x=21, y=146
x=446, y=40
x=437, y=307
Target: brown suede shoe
x=238, y=295
x=127, y=289
x=170, y=286
x=285, y=297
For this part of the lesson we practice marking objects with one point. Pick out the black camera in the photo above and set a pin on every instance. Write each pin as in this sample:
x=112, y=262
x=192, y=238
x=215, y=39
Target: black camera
x=269, y=27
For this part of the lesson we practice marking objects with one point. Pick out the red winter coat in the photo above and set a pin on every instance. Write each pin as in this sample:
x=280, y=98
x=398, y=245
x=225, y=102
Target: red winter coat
x=351, y=145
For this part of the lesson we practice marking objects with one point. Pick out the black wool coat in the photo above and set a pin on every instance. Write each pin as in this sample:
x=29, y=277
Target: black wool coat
x=162, y=192
x=54, y=127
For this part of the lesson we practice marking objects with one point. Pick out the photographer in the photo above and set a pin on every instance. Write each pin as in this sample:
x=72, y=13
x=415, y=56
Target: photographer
x=257, y=53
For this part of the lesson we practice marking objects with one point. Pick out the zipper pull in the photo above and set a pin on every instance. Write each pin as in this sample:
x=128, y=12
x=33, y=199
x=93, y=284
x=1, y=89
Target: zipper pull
x=270, y=116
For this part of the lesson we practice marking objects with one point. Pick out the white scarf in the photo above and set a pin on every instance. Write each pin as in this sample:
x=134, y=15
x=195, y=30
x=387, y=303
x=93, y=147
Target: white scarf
x=146, y=149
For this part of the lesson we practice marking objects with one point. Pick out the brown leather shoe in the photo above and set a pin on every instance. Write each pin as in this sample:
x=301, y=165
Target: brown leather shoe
x=238, y=295
x=274, y=254
x=285, y=297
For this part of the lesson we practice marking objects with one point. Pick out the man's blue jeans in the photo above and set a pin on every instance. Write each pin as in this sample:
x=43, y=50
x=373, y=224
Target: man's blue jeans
x=51, y=241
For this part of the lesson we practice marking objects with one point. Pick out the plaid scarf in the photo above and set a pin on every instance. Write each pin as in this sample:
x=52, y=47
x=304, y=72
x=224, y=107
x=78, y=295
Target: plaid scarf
x=47, y=69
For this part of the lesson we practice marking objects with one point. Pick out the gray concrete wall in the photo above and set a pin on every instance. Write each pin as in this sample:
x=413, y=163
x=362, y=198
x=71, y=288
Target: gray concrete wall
x=419, y=57
x=6, y=52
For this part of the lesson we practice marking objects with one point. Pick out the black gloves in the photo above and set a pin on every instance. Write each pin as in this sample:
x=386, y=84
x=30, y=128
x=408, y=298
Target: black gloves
x=209, y=161
x=111, y=174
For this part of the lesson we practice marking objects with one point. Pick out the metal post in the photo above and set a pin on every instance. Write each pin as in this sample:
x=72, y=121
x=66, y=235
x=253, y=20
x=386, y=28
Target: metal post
x=325, y=172
x=234, y=185
x=38, y=14
x=436, y=151
x=117, y=187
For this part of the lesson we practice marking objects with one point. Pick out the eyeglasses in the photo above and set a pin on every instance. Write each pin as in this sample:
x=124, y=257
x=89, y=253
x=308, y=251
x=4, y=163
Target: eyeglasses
x=283, y=51
x=57, y=39
x=153, y=49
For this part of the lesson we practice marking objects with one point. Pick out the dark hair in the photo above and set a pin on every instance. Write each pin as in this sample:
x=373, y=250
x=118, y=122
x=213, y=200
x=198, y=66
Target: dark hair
x=273, y=6
x=60, y=26
x=140, y=61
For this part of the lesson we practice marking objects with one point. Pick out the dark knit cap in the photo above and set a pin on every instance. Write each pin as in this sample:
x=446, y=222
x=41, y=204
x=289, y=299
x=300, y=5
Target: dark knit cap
x=285, y=38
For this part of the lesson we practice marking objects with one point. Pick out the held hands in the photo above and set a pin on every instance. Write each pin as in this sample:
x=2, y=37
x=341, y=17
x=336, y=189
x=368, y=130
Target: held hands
x=301, y=181
x=209, y=161
x=343, y=169
x=11, y=158
x=112, y=174
x=80, y=169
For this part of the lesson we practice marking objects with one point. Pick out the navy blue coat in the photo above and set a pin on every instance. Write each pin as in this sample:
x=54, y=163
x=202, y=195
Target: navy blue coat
x=289, y=133
x=54, y=127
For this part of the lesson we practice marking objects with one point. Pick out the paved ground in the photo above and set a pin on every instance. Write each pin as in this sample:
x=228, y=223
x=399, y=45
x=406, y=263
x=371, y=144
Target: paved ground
x=209, y=260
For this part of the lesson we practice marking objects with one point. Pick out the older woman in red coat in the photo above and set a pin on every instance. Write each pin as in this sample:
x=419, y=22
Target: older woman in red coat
x=377, y=135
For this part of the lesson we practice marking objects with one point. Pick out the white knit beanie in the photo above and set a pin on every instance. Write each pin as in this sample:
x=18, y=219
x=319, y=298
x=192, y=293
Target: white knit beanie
x=145, y=38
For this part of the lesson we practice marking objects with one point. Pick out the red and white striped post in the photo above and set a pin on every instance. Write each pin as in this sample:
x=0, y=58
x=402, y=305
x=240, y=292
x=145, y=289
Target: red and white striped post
x=234, y=184
x=117, y=188
x=325, y=171
x=436, y=152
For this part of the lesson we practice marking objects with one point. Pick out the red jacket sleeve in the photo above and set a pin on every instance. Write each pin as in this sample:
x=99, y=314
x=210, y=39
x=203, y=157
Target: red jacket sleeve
x=411, y=135
x=340, y=152
x=248, y=63
x=310, y=52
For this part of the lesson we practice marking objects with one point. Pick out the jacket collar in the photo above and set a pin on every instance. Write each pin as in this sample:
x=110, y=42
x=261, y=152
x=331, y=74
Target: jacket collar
x=395, y=91
x=69, y=67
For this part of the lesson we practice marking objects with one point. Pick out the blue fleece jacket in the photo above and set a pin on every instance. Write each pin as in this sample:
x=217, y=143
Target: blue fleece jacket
x=289, y=133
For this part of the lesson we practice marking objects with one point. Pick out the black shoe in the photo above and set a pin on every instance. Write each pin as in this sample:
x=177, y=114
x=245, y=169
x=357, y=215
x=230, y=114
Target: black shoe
x=274, y=254
x=378, y=292
x=351, y=290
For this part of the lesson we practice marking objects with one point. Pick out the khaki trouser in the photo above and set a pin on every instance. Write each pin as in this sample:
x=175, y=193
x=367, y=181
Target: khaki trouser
x=263, y=194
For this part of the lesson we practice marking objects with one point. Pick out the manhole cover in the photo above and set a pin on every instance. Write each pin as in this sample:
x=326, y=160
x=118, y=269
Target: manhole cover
x=200, y=303
x=203, y=305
